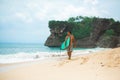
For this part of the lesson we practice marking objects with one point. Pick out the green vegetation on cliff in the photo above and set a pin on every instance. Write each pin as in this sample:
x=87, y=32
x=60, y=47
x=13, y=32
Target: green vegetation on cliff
x=80, y=27
x=109, y=32
x=88, y=32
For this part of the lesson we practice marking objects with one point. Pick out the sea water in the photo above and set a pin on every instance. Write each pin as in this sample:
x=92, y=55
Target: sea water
x=19, y=52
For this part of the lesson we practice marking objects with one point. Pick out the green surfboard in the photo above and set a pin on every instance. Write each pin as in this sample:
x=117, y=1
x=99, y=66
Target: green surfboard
x=65, y=44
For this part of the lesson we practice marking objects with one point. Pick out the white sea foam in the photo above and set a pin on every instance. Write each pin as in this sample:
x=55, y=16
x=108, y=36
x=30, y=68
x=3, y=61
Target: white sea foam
x=25, y=56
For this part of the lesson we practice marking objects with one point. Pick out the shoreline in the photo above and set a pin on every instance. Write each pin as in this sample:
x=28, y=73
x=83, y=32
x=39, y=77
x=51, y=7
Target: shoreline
x=54, y=58
x=36, y=56
x=103, y=65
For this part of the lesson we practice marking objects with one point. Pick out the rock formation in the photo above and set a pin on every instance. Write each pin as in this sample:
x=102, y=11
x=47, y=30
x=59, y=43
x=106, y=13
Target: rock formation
x=97, y=36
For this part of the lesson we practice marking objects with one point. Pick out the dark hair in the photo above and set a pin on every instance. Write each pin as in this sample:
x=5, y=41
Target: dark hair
x=70, y=32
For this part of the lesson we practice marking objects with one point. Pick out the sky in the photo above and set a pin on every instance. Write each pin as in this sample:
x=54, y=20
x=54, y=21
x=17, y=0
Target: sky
x=26, y=21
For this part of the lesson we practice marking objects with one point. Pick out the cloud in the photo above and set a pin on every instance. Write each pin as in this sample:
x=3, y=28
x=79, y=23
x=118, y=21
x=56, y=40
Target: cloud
x=25, y=17
x=71, y=11
x=93, y=2
x=63, y=10
x=32, y=5
x=60, y=10
x=20, y=15
x=30, y=17
x=44, y=10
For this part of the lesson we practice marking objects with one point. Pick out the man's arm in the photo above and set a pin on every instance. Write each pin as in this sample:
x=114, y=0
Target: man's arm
x=71, y=40
x=74, y=42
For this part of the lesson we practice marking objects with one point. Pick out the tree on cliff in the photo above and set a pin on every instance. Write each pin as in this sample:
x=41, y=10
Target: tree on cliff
x=84, y=29
x=80, y=26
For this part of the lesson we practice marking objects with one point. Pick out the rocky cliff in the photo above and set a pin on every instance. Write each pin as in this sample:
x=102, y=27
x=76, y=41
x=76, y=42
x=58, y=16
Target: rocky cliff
x=98, y=35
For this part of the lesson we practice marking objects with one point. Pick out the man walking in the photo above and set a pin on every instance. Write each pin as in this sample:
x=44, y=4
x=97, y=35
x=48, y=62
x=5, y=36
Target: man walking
x=70, y=47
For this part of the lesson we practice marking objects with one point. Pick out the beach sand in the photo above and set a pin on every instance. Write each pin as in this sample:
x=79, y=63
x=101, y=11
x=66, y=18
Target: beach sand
x=103, y=65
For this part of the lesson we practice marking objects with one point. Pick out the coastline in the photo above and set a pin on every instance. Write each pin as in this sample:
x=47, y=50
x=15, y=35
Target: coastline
x=102, y=65
x=18, y=55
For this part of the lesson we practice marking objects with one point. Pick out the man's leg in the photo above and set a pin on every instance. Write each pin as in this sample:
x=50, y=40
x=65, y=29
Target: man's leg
x=69, y=54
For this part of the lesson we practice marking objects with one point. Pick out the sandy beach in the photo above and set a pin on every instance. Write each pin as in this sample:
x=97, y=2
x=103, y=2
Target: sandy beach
x=103, y=65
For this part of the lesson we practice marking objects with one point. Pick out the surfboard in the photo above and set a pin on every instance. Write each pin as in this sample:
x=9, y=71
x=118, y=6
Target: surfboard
x=65, y=44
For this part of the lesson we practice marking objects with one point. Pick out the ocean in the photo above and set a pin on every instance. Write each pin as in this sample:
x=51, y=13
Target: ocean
x=18, y=52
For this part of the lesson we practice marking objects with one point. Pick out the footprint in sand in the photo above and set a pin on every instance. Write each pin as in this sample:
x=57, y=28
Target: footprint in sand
x=84, y=60
x=102, y=65
x=63, y=62
x=67, y=61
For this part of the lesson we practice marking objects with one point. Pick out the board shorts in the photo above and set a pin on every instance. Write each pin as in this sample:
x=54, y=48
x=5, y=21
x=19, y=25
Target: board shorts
x=70, y=49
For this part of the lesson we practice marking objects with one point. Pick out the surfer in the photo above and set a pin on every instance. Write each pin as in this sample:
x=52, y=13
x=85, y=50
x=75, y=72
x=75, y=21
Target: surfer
x=71, y=43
